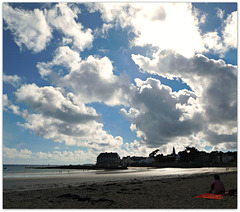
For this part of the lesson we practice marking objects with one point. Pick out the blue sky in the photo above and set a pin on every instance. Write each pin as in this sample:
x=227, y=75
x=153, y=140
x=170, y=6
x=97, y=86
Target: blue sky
x=84, y=78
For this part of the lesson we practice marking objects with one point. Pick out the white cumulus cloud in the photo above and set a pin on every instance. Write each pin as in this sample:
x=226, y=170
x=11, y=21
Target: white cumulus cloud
x=92, y=79
x=51, y=102
x=167, y=26
x=28, y=27
x=62, y=18
x=63, y=119
x=34, y=28
x=14, y=80
x=230, y=30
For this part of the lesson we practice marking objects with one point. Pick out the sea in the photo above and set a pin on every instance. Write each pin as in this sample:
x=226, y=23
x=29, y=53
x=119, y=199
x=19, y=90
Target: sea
x=27, y=177
x=31, y=171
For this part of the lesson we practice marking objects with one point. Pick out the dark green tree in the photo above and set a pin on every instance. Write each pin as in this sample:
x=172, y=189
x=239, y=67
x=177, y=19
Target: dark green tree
x=153, y=154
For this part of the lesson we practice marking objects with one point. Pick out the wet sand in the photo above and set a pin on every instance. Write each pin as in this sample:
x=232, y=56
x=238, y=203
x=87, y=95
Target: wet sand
x=152, y=193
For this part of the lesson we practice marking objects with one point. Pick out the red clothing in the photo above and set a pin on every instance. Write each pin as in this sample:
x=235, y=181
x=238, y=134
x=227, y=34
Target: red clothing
x=218, y=186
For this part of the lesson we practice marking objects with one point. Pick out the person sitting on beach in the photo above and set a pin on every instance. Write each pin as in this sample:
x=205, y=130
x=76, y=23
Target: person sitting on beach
x=217, y=185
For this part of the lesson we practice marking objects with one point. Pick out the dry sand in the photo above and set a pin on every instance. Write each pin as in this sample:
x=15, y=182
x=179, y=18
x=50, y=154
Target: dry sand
x=175, y=193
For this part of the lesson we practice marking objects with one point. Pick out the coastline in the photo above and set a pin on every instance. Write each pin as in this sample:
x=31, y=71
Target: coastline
x=143, y=193
x=65, y=177
x=157, y=165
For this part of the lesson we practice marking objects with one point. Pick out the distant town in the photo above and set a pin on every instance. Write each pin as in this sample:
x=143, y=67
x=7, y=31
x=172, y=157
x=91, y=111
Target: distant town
x=190, y=157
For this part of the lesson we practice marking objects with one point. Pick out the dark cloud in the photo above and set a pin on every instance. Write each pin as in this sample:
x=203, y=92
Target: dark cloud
x=221, y=138
x=157, y=115
x=214, y=89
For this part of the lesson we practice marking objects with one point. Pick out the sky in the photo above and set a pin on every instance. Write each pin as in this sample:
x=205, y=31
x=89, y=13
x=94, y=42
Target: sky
x=84, y=78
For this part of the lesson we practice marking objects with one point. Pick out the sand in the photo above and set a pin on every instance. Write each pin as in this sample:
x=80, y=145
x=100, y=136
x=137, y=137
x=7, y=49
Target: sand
x=154, y=193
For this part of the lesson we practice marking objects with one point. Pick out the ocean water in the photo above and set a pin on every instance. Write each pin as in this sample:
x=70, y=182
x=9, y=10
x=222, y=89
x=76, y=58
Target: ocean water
x=32, y=171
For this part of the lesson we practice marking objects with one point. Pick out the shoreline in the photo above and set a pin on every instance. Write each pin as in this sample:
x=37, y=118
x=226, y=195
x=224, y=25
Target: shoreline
x=160, y=165
x=143, y=193
x=33, y=181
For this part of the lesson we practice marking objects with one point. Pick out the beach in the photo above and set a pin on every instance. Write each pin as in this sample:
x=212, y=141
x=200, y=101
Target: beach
x=134, y=193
